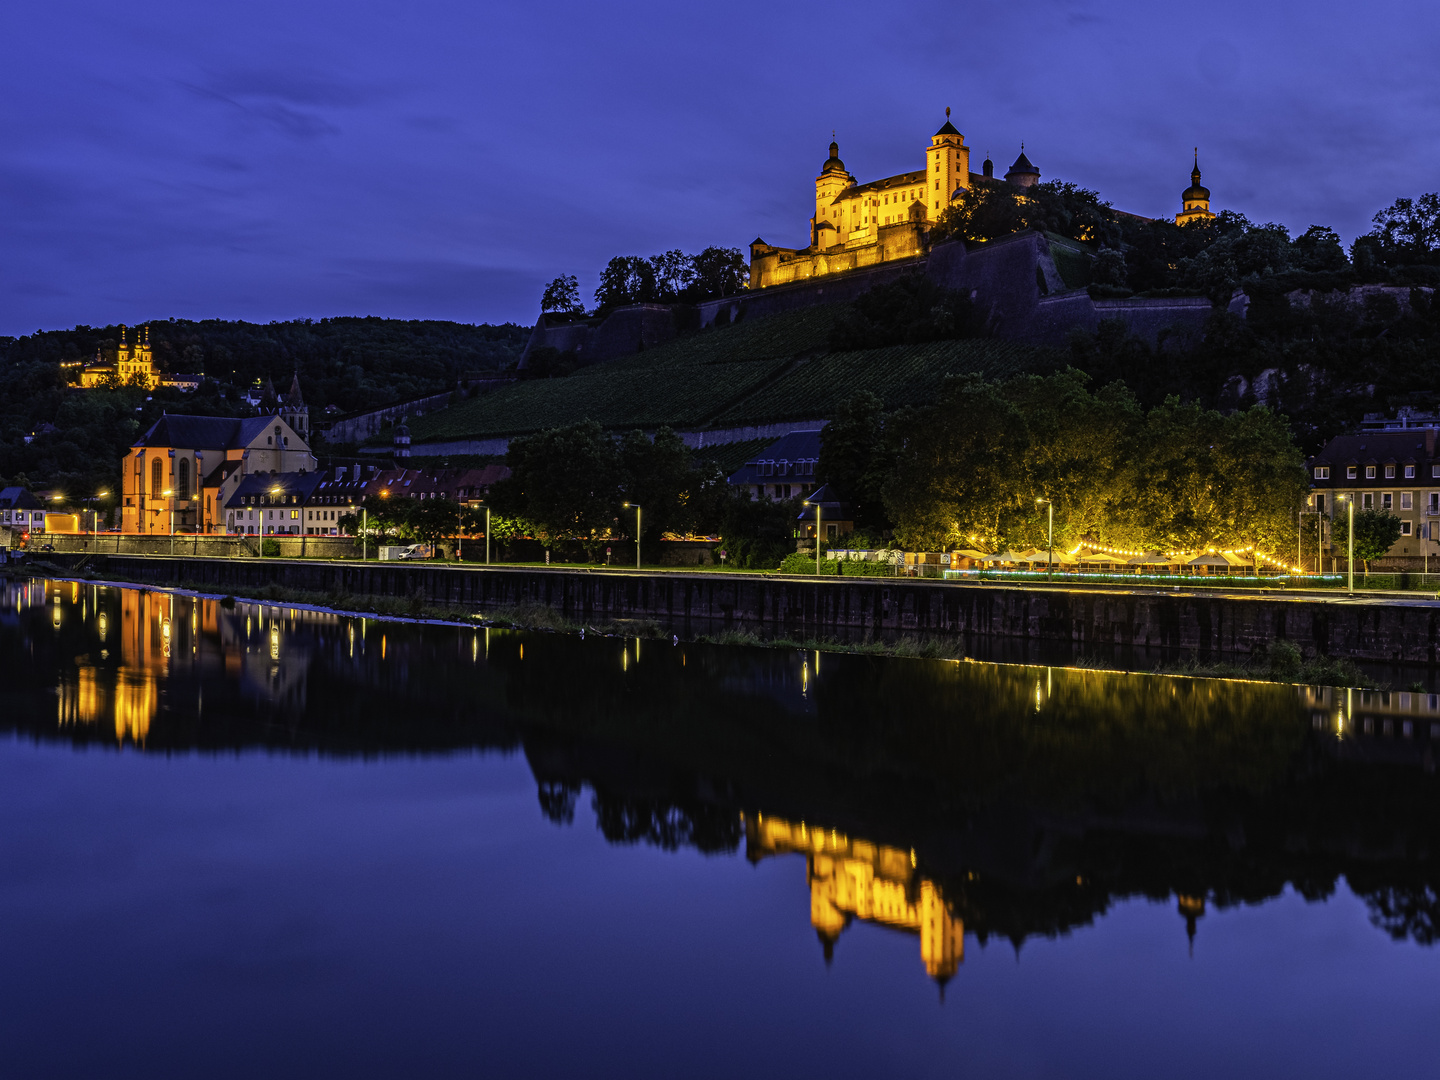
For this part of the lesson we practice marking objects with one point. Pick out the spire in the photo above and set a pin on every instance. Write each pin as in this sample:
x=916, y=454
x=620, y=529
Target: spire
x=1195, y=172
x=293, y=398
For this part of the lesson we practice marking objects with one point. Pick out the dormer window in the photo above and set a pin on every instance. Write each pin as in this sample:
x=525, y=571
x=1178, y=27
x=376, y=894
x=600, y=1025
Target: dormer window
x=1350, y=472
x=1369, y=472
x=1389, y=472
x=1409, y=472
x=1322, y=472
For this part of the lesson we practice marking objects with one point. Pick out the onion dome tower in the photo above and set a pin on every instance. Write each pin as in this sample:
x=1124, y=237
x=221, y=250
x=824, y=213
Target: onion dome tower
x=1195, y=199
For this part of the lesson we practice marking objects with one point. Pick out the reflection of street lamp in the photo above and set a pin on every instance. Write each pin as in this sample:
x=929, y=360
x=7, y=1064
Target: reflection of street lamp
x=1049, y=559
x=637, y=532
x=818, y=514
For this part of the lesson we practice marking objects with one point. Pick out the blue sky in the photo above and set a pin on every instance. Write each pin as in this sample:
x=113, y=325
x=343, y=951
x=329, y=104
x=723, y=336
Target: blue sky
x=437, y=159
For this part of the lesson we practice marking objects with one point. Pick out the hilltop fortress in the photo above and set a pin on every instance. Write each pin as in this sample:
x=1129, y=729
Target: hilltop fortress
x=858, y=225
x=1030, y=287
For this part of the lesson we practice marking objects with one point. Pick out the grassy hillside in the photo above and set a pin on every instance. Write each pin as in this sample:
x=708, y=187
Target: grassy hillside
x=767, y=371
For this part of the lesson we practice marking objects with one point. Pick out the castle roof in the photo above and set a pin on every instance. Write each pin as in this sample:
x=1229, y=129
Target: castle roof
x=899, y=180
x=948, y=129
x=1022, y=164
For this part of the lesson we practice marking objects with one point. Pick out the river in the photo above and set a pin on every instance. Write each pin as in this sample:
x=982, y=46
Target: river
x=253, y=840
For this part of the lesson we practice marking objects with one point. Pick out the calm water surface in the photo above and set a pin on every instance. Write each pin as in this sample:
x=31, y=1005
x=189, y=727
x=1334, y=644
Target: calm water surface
x=265, y=841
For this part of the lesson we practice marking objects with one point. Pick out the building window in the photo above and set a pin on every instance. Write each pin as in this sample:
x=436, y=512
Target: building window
x=1367, y=501
x=1387, y=501
x=156, y=476
x=182, y=485
x=1389, y=472
x=1404, y=528
x=1406, y=500
x=1322, y=472
x=1409, y=472
x=1350, y=472
x=1369, y=472
x=1435, y=502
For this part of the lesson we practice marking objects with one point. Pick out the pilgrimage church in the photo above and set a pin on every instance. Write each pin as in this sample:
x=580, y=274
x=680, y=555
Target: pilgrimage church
x=857, y=225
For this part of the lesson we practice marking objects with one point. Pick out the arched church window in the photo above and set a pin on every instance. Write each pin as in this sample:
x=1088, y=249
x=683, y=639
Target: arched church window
x=182, y=489
x=156, y=487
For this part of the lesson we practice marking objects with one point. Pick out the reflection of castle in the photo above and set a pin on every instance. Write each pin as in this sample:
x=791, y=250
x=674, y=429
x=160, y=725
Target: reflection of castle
x=857, y=879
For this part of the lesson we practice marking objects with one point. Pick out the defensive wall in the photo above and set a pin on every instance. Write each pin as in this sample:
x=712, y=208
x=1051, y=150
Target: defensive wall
x=1099, y=619
x=1013, y=280
x=358, y=427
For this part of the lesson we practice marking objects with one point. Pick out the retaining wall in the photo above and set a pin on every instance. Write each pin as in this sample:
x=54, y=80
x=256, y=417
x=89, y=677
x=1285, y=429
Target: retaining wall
x=1378, y=630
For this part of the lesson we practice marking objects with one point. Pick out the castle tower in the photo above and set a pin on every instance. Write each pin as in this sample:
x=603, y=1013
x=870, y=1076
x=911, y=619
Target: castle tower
x=1022, y=173
x=947, y=166
x=833, y=179
x=1195, y=199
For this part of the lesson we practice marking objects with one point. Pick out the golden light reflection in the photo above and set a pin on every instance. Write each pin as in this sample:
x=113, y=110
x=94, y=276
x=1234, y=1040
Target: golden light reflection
x=856, y=879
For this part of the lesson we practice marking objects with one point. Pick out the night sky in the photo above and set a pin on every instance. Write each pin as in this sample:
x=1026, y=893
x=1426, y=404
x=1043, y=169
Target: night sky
x=438, y=159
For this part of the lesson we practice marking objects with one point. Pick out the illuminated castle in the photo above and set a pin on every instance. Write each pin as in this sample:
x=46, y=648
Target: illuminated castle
x=856, y=225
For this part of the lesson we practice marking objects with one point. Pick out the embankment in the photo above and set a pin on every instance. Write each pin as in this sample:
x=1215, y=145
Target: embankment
x=1083, y=620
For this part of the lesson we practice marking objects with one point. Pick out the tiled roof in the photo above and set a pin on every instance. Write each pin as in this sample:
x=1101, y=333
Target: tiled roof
x=205, y=432
x=796, y=446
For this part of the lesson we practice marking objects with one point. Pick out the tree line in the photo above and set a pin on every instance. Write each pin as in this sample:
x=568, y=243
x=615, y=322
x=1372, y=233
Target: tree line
x=980, y=467
x=668, y=278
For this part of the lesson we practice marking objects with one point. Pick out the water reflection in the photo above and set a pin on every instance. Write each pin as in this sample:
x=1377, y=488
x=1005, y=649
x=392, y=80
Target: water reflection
x=941, y=799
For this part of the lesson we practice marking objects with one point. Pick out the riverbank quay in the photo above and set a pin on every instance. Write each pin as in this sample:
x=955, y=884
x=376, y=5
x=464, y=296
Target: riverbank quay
x=1390, y=628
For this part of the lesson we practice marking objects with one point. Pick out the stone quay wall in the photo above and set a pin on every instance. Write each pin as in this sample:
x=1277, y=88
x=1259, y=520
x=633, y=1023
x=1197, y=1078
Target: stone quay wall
x=1405, y=631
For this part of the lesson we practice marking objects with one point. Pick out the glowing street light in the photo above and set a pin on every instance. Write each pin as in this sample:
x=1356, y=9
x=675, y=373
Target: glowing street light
x=1350, y=537
x=168, y=493
x=637, y=532
x=1050, y=559
x=818, y=514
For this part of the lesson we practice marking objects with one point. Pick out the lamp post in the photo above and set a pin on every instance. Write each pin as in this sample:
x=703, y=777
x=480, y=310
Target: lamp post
x=819, y=513
x=637, y=532
x=95, y=518
x=168, y=495
x=276, y=490
x=1050, y=558
x=487, y=531
x=1350, y=540
x=364, y=528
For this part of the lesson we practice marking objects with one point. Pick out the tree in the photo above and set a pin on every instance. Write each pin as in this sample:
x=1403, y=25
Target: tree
x=567, y=481
x=657, y=475
x=720, y=272
x=855, y=458
x=1318, y=249
x=562, y=296
x=908, y=311
x=951, y=484
x=674, y=271
x=1376, y=532
x=1409, y=229
x=626, y=279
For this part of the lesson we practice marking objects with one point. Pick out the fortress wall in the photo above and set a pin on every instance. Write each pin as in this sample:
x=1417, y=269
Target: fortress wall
x=826, y=289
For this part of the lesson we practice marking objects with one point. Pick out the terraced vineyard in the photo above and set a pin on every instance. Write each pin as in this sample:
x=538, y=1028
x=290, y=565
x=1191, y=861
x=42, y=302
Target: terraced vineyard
x=769, y=370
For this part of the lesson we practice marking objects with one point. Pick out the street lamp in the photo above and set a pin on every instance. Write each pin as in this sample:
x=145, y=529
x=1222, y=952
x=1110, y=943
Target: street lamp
x=637, y=532
x=168, y=494
x=487, y=531
x=818, y=514
x=1350, y=539
x=95, y=519
x=1050, y=558
x=276, y=490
